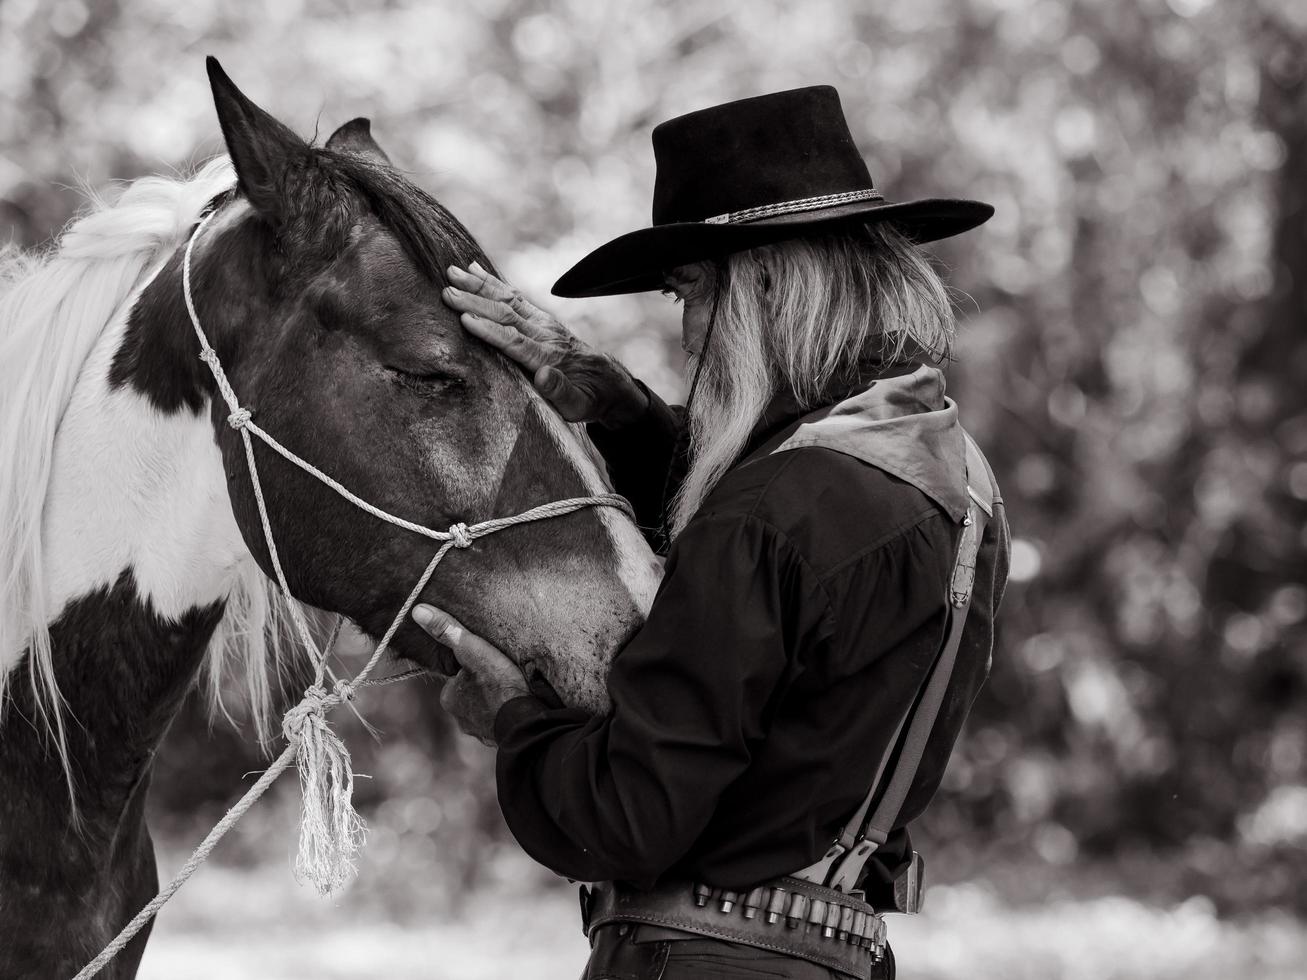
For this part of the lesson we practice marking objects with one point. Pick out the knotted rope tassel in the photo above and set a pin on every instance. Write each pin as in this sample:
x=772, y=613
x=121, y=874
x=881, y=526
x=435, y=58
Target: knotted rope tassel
x=331, y=830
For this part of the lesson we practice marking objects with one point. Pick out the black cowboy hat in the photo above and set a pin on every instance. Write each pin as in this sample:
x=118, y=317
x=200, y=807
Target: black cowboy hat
x=750, y=173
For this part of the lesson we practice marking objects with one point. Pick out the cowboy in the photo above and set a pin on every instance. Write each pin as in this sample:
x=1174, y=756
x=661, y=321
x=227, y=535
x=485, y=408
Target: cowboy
x=835, y=552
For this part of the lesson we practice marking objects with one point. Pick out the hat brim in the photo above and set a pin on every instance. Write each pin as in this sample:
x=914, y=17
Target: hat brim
x=637, y=261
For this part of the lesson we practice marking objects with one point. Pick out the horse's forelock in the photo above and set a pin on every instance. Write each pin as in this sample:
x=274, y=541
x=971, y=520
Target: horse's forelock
x=432, y=238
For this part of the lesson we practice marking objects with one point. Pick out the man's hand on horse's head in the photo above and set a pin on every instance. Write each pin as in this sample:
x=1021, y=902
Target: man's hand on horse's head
x=582, y=384
x=488, y=679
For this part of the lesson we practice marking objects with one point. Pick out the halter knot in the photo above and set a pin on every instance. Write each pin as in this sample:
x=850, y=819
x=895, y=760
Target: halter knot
x=239, y=418
x=209, y=356
x=315, y=702
x=460, y=535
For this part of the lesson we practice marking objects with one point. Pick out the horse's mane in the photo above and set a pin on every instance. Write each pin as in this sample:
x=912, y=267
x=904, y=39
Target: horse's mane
x=53, y=308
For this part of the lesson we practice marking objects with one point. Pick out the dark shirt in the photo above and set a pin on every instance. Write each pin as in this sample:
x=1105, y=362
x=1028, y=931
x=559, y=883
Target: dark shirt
x=799, y=612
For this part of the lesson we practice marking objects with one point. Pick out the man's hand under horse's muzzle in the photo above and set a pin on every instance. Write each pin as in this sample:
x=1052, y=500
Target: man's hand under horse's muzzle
x=486, y=681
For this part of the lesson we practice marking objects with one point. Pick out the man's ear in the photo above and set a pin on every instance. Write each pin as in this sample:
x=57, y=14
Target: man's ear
x=262, y=149
x=355, y=138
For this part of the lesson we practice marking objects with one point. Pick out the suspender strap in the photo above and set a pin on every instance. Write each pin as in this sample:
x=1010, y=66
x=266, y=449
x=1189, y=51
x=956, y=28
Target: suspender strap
x=842, y=864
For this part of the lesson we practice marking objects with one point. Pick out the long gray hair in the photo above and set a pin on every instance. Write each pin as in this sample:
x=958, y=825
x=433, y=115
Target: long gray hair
x=808, y=317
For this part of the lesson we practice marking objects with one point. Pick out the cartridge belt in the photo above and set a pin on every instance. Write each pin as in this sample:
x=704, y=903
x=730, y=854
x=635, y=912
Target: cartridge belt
x=789, y=916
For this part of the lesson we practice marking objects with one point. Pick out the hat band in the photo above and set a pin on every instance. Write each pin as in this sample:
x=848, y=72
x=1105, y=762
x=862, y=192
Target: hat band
x=791, y=207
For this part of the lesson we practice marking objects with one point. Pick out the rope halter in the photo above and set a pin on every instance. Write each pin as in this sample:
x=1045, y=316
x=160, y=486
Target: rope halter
x=309, y=715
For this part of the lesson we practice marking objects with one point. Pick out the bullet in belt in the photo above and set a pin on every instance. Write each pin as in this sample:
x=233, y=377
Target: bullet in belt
x=817, y=912
x=868, y=932
x=832, y=920
x=846, y=922
x=798, y=910
x=776, y=904
x=859, y=924
x=702, y=893
x=753, y=902
x=729, y=898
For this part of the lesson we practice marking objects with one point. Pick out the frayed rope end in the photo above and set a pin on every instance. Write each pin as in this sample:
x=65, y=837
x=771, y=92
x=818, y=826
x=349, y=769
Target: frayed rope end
x=331, y=830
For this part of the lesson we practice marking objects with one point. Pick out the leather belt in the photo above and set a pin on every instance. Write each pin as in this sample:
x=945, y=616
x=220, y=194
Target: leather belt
x=796, y=918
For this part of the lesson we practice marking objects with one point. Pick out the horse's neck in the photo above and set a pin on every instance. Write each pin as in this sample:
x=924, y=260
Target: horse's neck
x=140, y=550
x=136, y=487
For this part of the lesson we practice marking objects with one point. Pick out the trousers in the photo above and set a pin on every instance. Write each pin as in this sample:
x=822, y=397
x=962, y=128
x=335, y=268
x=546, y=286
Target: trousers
x=618, y=952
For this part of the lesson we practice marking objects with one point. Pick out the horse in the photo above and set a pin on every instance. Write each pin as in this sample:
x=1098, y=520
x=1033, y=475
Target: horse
x=131, y=548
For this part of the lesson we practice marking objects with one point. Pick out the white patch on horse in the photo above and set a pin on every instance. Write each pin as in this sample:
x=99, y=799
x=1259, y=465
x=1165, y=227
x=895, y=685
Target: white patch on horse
x=635, y=571
x=119, y=484
x=135, y=488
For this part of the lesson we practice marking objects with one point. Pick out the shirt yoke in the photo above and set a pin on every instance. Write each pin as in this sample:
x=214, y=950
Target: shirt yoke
x=831, y=507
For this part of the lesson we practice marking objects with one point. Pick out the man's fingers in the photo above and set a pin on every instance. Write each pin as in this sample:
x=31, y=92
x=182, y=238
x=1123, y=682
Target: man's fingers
x=496, y=289
x=469, y=649
x=481, y=282
x=441, y=626
x=487, y=681
x=528, y=317
x=464, y=279
x=527, y=352
x=438, y=624
x=492, y=309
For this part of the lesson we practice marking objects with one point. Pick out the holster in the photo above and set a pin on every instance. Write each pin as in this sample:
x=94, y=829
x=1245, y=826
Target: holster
x=898, y=887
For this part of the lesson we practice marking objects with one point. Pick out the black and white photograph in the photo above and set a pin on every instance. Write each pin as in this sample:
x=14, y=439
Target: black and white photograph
x=653, y=490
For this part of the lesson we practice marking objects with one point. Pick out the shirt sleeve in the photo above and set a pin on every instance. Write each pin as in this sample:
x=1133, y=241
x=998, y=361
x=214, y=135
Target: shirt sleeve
x=646, y=461
x=624, y=796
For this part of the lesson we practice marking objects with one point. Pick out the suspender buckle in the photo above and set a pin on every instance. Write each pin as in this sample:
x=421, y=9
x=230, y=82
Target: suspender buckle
x=819, y=871
x=844, y=877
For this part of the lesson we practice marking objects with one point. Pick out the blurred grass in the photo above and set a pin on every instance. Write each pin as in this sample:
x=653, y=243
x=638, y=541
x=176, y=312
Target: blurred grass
x=257, y=923
x=427, y=916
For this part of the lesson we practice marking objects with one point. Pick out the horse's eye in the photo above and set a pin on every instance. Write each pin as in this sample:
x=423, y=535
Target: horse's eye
x=427, y=382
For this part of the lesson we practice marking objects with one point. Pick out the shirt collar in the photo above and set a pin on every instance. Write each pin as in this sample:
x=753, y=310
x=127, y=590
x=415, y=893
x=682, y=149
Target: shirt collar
x=784, y=409
x=901, y=423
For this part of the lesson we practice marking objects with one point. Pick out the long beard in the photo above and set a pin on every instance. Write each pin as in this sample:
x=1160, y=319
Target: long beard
x=733, y=391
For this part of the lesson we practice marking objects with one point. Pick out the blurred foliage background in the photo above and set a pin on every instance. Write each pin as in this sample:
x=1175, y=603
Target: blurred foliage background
x=1133, y=356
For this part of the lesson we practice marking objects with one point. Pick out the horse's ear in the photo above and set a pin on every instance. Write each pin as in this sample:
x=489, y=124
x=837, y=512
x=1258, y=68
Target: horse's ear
x=355, y=138
x=261, y=148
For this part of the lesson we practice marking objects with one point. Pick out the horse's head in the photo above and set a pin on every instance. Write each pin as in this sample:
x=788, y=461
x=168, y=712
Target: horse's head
x=318, y=281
